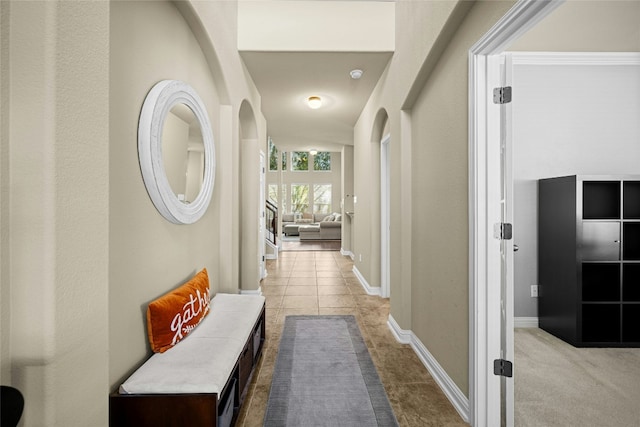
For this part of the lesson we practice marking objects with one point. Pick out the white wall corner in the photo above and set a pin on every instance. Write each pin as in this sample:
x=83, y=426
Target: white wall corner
x=371, y=290
x=526, y=322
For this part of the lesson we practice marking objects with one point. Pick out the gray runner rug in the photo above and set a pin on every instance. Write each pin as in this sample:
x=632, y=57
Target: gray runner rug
x=324, y=376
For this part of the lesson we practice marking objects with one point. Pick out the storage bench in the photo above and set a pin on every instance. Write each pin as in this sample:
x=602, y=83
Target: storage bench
x=202, y=380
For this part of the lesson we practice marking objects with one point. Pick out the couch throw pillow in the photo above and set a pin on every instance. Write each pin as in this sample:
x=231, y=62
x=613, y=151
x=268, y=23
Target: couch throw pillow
x=175, y=315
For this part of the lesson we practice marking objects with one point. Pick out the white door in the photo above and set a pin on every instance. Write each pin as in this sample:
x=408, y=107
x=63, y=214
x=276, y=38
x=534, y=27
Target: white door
x=506, y=240
x=262, y=219
x=384, y=217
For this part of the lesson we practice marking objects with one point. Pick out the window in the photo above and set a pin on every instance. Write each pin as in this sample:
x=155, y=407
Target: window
x=322, y=198
x=273, y=196
x=273, y=156
x=299, y=161
x=299, y=198
x=273, y=193
x=322, y=161
x=284, y=198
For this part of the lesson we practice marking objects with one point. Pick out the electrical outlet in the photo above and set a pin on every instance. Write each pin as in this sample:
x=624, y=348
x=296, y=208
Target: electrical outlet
x=534, y=291
x=360, y=257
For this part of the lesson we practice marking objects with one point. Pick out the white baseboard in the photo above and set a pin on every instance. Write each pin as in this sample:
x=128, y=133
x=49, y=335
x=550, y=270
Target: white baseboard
x=402, y=335
x=526, y=322
x=274, y=248
x=345, y=252
x=251, y=292
x=371, y=290
x=457, y=398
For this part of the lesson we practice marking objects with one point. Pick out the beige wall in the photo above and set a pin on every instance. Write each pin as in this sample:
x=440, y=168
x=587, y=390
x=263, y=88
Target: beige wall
x=267, y=26
x=55, y=209
x=148, y=255
x=424, y=92
x=586, y=26
x=83, y=248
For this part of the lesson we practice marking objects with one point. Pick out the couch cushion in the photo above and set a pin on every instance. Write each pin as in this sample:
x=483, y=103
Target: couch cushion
x=288, y=217
x=331, y=224
x=175, y=315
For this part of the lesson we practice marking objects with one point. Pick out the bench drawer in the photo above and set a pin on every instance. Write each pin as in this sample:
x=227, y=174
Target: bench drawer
x=225, y=409
x=246, y=365
x=257, y=338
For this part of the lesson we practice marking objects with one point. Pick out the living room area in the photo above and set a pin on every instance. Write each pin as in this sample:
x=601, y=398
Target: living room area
x=305, y=192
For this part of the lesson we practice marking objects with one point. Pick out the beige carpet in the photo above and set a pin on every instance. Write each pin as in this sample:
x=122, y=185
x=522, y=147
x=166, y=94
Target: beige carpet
x=557, y=384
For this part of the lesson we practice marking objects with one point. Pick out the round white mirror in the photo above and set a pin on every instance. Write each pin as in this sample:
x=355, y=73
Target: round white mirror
x=176, y=151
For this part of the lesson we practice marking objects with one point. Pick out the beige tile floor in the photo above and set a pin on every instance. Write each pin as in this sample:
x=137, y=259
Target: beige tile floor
x=316, y=283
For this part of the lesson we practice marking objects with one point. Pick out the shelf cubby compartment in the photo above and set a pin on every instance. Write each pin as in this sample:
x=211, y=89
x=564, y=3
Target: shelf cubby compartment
x=631, y=241
x=631, y=283
x=600, y=282
x=631, y=204
x=631, y=322
x=600, y=323
x=601, y=200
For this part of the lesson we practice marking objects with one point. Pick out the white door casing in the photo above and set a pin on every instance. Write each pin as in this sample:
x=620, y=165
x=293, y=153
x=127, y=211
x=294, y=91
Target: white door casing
x=262, y=219
x=504, y=69
x=385, y=221
x=485, y=265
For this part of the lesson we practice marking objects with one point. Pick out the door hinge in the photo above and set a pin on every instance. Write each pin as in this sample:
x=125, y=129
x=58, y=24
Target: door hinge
x=503, y=231
x=502, y=95
x=503, y=368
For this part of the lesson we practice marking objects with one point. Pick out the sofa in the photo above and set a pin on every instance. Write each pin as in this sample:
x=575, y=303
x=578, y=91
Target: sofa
x=313, y=226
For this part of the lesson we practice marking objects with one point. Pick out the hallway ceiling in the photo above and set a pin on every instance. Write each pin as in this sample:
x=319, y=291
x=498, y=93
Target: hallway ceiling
x=286, y=80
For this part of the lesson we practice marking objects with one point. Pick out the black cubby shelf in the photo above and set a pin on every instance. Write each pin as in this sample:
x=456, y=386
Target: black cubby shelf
x=631, y=192
x=589, y=259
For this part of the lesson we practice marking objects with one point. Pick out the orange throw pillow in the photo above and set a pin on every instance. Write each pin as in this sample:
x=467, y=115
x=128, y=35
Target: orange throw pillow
x=174, y=315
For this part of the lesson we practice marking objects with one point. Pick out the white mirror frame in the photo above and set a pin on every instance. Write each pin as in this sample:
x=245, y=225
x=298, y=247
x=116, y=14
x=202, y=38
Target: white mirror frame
x=159, y=101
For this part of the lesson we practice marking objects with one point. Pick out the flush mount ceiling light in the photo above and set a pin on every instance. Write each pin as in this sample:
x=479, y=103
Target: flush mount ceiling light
x=314, y=102
x=355, y=74
x=313, y=151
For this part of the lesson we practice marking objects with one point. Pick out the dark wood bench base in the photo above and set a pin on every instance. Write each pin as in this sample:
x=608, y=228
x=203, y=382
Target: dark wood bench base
x=195, y=409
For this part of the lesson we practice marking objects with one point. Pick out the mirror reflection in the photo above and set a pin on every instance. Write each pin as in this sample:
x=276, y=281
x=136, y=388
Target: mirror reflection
x=183, y=152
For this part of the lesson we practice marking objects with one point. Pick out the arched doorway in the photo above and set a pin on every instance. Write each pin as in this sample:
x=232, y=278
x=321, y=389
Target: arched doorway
x=381, y=136
x=251, y=207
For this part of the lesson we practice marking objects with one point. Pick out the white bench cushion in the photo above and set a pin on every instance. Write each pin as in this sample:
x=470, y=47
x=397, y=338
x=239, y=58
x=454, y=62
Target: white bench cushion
x=204, y=360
